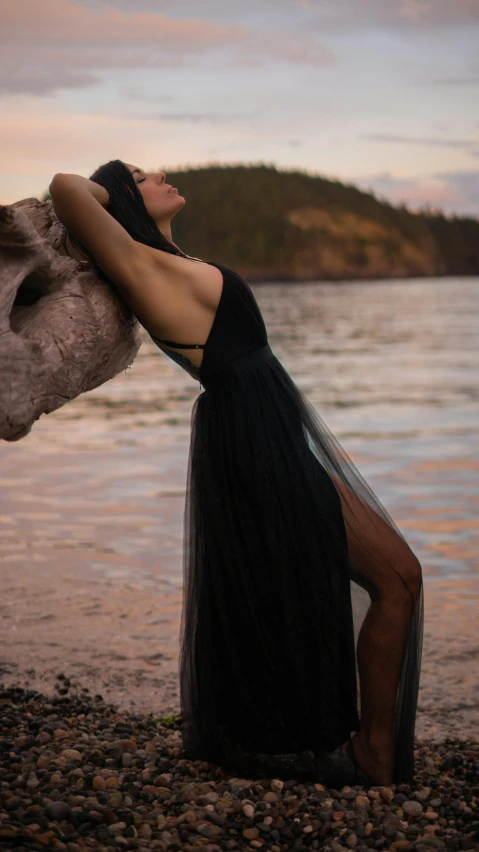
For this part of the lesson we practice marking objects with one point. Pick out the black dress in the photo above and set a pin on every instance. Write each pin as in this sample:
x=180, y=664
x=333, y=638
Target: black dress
x=271, y=612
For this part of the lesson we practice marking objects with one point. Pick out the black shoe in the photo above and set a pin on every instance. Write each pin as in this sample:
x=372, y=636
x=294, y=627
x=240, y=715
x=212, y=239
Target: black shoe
x=339, y=767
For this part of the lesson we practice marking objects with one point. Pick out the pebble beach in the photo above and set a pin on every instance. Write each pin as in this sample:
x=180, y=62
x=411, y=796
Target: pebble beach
x=76, y=773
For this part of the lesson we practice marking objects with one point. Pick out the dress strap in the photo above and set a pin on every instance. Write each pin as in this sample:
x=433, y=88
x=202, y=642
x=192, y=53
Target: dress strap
x=179, y=345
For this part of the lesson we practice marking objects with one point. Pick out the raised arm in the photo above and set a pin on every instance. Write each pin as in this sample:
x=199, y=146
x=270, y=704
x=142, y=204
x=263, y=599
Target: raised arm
x=150, y=282
x=80, y=205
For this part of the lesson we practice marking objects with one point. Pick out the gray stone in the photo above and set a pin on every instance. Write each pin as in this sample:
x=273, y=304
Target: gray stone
x=412, y=808
x=58, y=811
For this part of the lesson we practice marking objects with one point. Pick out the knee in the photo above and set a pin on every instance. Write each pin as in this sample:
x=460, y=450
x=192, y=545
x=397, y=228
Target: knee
x=408, y=579
x=413, y=575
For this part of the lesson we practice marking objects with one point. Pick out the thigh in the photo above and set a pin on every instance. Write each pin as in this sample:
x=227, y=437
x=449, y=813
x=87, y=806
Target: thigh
x=381, y=560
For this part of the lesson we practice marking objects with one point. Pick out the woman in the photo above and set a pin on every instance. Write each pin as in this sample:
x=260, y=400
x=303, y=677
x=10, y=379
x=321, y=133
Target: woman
x=285, y=546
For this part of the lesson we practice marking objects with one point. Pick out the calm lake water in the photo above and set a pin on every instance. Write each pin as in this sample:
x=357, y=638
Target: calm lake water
x=91, y=506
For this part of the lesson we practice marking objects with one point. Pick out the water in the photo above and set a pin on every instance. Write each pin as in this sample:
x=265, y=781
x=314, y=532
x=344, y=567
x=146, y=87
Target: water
x=92, y=501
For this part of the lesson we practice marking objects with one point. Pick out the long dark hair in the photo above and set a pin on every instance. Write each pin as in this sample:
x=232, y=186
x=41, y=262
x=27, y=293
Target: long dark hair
x=126, y=205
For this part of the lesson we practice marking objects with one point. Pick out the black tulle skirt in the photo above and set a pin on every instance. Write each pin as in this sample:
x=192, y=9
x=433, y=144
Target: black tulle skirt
x=273, y=598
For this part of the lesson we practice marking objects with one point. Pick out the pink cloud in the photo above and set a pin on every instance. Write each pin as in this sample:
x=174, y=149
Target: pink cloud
x=331, y=14
x=391, y=14
x=59, y=43
x=452, y=192
x=469, y=146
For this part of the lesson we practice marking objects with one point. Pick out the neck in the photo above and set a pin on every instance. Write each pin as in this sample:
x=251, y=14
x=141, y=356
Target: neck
x=164, y=226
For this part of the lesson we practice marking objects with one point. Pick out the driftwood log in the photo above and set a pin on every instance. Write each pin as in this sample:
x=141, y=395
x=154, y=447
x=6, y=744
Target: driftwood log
x=63, y=330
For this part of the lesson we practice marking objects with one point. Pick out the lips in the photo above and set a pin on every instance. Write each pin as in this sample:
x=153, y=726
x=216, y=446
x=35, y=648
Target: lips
x=172, y=188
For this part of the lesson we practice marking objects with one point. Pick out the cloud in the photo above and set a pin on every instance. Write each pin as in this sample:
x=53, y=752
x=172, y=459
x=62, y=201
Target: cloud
x=390, y=14
x=453, y=192
x=469, y=146
x=37, y=138
x=137, y=93
x=471, y=80
x=215, y=118
x=326, y=14
x=57, y=44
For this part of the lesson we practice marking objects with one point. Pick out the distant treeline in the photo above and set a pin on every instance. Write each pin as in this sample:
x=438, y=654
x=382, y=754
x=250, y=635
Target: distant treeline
x=278, y=225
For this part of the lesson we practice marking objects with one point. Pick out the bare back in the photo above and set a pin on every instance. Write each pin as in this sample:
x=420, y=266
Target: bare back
x=177, y=301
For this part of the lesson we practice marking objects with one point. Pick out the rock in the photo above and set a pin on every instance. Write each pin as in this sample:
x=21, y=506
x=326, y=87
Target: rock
x=412, y=808
x=386, y=794
x=58, y=811
x=98, y=783
x=116, y=827
x=145, y=831
x=250, y=833
x=211, y=798
x=270, y=797
x=423, y=794
x=248, y=810
x=71, y=754
x=209, y=830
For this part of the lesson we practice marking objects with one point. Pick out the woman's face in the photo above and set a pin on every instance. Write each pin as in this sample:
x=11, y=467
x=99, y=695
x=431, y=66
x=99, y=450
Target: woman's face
x=161, y=199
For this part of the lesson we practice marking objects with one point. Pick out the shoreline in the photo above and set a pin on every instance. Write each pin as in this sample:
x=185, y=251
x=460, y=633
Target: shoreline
x=117, y=634
x=355, y=279
x=77, y=772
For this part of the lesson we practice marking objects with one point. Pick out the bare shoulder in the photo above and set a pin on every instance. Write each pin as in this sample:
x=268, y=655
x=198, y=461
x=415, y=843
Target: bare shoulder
x=190, y=277
x=173, y=296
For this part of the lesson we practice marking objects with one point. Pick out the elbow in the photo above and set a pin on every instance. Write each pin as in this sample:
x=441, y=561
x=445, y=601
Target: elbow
x=60, y=196
x=59, y=183
x=56, y=182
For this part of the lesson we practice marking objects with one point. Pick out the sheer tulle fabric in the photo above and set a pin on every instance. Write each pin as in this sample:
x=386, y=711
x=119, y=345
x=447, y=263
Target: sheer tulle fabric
x=273, y=597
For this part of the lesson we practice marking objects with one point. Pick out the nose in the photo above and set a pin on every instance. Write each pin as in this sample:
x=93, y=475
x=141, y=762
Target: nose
x=162, y=177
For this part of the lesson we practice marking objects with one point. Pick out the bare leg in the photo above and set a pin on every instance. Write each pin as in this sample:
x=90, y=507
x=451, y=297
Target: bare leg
x=386, y=567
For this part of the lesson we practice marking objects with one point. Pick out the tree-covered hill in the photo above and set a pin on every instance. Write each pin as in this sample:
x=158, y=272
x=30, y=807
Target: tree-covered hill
x=270, y=224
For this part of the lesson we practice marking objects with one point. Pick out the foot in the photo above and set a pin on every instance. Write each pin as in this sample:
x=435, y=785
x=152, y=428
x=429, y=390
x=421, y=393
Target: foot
x=376, y=758
x=339, y=767
x=240, y=760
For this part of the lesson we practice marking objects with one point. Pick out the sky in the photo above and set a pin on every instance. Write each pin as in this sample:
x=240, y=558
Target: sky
x=382, y=94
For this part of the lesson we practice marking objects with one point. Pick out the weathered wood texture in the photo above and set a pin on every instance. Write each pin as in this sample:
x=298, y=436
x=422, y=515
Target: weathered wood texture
x=63, y=330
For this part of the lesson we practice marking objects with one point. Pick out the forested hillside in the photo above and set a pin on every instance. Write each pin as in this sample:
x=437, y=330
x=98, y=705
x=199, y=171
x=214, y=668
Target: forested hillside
x=270, y=224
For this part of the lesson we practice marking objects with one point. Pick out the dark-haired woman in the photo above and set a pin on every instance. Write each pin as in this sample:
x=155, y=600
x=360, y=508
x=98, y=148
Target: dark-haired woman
x=297, y=582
